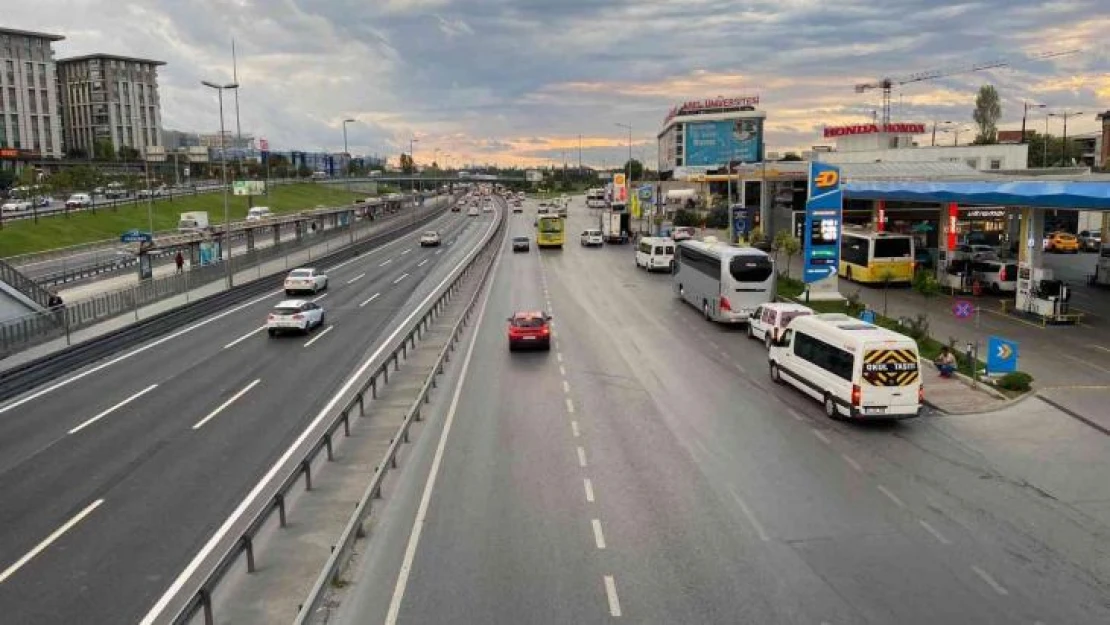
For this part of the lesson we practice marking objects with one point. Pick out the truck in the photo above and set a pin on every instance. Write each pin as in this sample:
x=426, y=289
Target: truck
x=615, y=226
x=193, y=221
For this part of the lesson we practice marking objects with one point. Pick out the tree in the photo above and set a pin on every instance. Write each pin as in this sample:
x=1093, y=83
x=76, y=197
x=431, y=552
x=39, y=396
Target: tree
x=790, y=156
x=988, y=110
x=103, y=150
x=304, y=171
x=128, y=153
x=77, y=153
x=407, y=165
x=1038, y=156
x=788, y=244
x=637, y=169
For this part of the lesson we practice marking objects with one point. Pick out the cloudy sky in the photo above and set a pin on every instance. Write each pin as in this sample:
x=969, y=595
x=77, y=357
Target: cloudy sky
x=518, y=81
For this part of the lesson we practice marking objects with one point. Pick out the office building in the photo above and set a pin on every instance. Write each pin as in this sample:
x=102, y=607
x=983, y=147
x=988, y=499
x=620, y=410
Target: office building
x=29, y=123
x=702, y=136
x=110, y=101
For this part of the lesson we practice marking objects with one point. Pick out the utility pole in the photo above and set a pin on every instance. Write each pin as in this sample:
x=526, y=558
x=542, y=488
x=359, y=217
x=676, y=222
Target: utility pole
x=1064, y=148
x=1025, y=106
x=238, y=127
x=347, y=154
x=935, y=130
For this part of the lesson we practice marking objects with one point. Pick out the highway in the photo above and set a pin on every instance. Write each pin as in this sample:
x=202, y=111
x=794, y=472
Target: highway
x=115, y=476
x=647, y=470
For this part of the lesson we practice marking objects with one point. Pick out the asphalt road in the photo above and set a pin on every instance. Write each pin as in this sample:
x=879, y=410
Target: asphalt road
x=170, y=438
x=648, y=470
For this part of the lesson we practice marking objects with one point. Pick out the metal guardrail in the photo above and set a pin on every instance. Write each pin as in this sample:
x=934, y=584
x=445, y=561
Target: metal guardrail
x=199, y=597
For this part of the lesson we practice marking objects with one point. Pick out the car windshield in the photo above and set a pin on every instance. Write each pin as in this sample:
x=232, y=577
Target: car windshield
x=520, y=239
x=528, y=322
x=303, y=273
x=431, y=234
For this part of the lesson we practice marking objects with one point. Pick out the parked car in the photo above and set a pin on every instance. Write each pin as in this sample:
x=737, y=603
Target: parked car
x=682, y=233
x=974, y=251
x=1062, y=242
x=1090, y=240
x=996, y=275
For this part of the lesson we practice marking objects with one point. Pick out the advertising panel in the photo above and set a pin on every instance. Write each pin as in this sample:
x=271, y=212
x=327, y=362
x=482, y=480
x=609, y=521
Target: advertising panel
x=821, y=236
x=620, y=189
x=714, y=143
x=248, y=187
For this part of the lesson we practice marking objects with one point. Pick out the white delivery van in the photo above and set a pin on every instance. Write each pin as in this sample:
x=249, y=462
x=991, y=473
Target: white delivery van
x=855, y=369
x=258, y=213
x=193, y=221
x=655, y=254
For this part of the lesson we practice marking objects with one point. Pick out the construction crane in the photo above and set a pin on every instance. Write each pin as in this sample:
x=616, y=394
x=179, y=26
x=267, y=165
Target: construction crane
x=887, y=84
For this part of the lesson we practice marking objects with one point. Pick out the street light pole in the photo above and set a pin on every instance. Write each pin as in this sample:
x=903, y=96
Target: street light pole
x=347, y=154
x=935, y=130
x=223, y=157
x=412, y=179
x=1024, y=113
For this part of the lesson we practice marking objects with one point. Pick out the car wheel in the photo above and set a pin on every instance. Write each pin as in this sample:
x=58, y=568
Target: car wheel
x=512, y=348
x=776, y=375
x=767, y=340
x=272, y=332
x=995, y=288
x=321, y=322
x=830, y=407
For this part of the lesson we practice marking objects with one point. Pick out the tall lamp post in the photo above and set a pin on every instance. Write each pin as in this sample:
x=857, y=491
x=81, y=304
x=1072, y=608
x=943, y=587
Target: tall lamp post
x=628, y=178
x=1025, y=106
x=347, y=154
x=223, y=158
x=1064, y=147
x=935, y=130
x=412, y=179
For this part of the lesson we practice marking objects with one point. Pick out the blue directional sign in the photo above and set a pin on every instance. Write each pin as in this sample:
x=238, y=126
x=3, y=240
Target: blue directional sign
x=739, y=222
x=136, y=236
x=1002, y=355
x=821, y=238
x=963, y=309
x=646, y=191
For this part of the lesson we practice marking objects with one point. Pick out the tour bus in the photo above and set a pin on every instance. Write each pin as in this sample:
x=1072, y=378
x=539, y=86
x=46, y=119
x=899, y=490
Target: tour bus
x=876, y=257
x=855, y=369
x=595, y=198
x=550, y=231
x=655, y=253
x=725, y=282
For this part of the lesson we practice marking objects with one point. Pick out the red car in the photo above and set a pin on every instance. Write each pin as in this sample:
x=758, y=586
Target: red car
x=530, y=329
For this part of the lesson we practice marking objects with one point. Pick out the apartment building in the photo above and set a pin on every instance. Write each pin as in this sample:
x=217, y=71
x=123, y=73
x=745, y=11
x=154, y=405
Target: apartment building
x=30, y=127
x=110, y=100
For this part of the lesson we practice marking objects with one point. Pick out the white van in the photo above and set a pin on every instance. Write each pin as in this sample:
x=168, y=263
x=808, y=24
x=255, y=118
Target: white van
x=258, y=213
x=655, y=253
x=770, y=320
x=854, y=368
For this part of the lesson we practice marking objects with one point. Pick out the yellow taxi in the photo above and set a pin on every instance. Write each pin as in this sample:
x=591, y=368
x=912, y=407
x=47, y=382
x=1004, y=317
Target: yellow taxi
x=1062, y=243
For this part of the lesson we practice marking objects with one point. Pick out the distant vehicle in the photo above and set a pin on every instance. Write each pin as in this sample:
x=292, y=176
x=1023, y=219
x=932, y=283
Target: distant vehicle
x=769, y=321
x=320, y=175
x=853, y=368
x=79, y=200
x=305, y=279
x=518, y=207
x=429, y=239
x=975, y=251
x=530, y=329
x=376, y=173
x=655, y=253
x=595, y=198
x=455, y=208
x=258, y=213
x=115, y=191
x=683, y=233
x=472, y=211
x=871, y=257
x=591, y=237
x=550, y=231
x=296, y=315
x=521, y=244
x=1090, y=240
x=487, y=208
x=193, y=221
x=996, y=275
x=1062, y=243
x=614, y=226
x=16, y=206
x=42, y=201
x=725, y=282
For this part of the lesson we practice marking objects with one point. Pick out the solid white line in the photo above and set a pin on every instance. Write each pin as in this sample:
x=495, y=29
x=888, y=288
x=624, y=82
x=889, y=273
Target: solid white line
x=599, y=536
x=574, y=429
x=886, y=491
x=55, y=535
x=936, y=533
x=224, y=405
x=751, y=516
x=589, y=486
x=372, y=298
x=406, y=251
x=113, y=409
x=566, y=386
x=356, y=278
x=244, y=337
x=1105, y=349
x=998, y=588
x=611, y=594
x=821, y=435
x=581, y=457
x=398, y=280
x=421, y=263
x=562, y=371
x=318, y=336
x=316, y=299
x=426, y=498
x=852, y=462
x=386, y=263
x=68, y=381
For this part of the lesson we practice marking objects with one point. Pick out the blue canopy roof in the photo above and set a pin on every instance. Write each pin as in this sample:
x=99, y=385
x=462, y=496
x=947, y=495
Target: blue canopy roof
x=1038, y=194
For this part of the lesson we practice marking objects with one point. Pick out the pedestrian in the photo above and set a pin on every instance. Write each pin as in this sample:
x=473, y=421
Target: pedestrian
x=56, y=305
x=946, y=362
x=179, y=260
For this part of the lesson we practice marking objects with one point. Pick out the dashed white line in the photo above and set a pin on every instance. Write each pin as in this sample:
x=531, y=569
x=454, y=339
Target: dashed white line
x=936, y=533
x=986, y=577
x=316, y=299
x=398, y=280
x=611, y=594
x=599, y=536
x=589, y=486
x=570, y=406
x=356, y=278
x=318, y=336
x=386, y=263
x=751, y=516
x=821, y=436
x=406, y=251
x=559, y=356
x=438, y=252
x=113, y=409
x=886, y=491
x=421, y=263
x=562, y=370
x=372, y=298
x=55, y=535
x=852, y=462
x=245, y=337
x=574, y=429
x=581, y=457
x=742, y=370
x=221, y=407
x=794, y=413
x=566, y=387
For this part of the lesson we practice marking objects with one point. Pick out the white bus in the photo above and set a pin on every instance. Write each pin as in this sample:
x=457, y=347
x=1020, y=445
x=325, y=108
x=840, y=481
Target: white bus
x=725, y=282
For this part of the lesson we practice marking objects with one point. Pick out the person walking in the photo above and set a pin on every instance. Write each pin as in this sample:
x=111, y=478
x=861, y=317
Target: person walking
x=179, y=260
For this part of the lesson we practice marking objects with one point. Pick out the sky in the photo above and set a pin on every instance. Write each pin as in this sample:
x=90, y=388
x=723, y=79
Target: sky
x=530, y=82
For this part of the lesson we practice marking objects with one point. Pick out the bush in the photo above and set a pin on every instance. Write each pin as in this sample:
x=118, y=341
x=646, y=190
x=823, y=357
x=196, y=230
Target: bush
x=685, y=218
x=718, y=218
x=1016, y=381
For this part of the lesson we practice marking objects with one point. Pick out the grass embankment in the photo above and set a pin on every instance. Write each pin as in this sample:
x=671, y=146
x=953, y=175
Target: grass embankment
x=24, y=235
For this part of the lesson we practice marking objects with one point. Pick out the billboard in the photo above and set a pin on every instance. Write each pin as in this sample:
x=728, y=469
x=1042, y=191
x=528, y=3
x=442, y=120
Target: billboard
x=248, y=187
x=715, y=143
x=620, y=189
x=821, y=236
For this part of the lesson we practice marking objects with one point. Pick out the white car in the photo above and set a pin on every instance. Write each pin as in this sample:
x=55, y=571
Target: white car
x=591, y=237
x=429, y=239
x=297, y=315
x=16, y=206
x=769, y=321
x=79, y=200
x=305, y=279
x=472, y=211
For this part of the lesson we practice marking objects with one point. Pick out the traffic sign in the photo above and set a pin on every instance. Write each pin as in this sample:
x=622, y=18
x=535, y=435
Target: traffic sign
x=136, y=236
x=963, y=309
x=1002, y=355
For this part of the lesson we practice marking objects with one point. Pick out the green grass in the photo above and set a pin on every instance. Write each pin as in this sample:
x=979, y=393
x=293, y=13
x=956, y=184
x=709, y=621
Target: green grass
x=24, y=236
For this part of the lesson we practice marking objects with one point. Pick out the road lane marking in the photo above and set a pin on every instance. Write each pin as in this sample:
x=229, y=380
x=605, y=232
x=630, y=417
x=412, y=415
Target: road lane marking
x=562, y=371
x=356, y=278
x=566, y=387
x=421, y=263
x=406, y=251
x=223, y=406
x=398, y=280
x=386, y=263
x=589, y=486
x=570, y=406
x=986, y=577
x=611, y=594
x=113, y=409
x=316, y=299
x=244, y=337
x=852, y=462
x=581, y=457
x=1105, y=349
x=1086, y=363
x=318, y=336
x=599, y=536
x=438, y=252
x=559, y=356
x=936, y=533
x=751, y=516
x=574, y=429
x=886, y=491
x=55, y=535
x=794, y=413
x=742, y=370
x=821, y=435
x=372, y=298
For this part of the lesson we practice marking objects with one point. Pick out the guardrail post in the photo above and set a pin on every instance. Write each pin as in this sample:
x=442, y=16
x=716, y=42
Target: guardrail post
x=327, y=443
x=306, y=466
x=346, y=424
x=279, y=499
x=248, y=546
x=396, y=362
x=206, y=606
x=393, y=458
x=405, y=350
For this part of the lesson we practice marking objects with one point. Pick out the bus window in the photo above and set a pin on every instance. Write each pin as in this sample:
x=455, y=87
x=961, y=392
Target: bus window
x=892, y=248
x=750, y=268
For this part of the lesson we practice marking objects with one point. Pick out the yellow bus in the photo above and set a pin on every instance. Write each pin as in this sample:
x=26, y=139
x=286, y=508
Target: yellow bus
x=550, y=231
x=876, y=257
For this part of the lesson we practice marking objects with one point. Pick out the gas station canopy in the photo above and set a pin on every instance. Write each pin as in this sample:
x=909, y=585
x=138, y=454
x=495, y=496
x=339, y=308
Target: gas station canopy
x=1094, y=195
